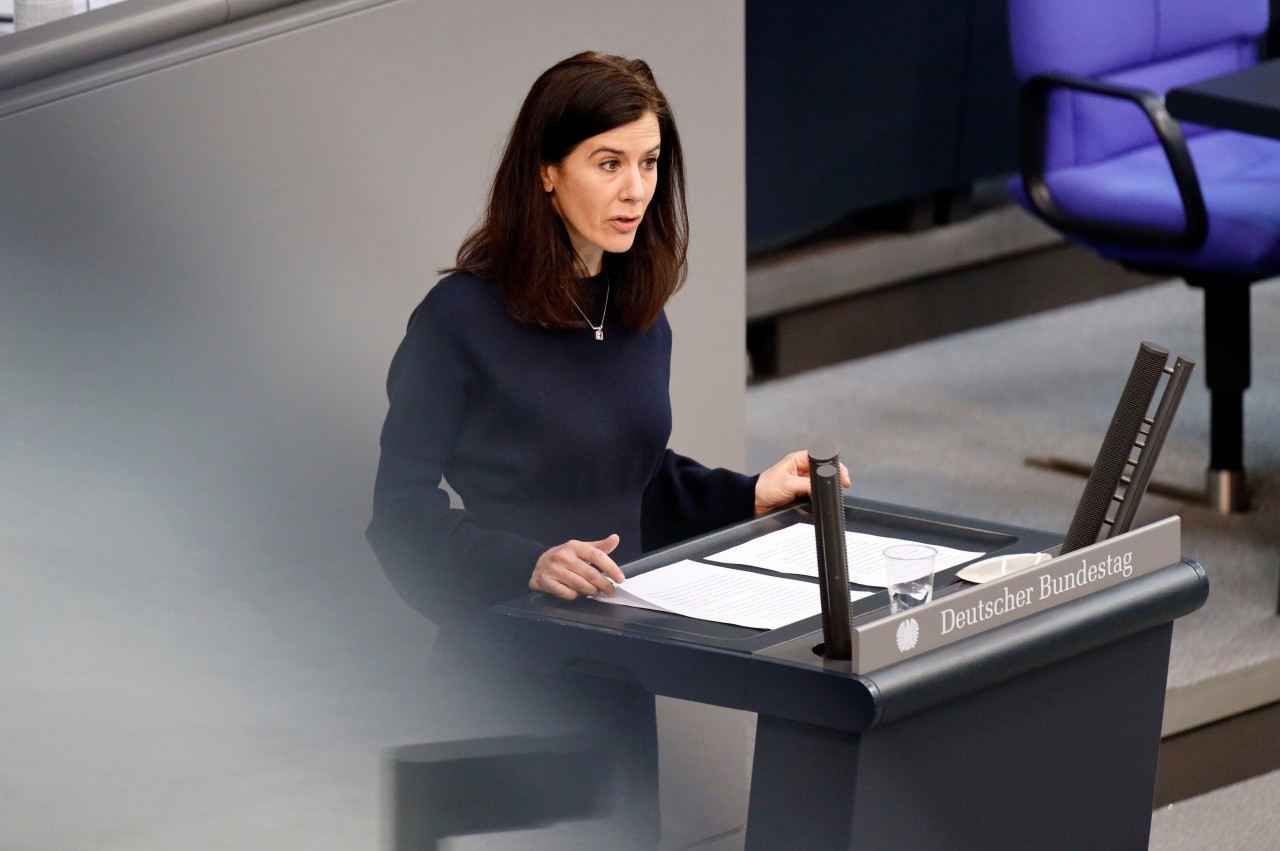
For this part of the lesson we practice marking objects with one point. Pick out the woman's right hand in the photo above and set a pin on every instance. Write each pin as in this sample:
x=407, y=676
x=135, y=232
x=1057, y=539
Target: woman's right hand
x=576, y=568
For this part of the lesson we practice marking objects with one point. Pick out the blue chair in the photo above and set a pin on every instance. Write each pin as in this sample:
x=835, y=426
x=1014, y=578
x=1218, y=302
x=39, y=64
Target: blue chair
x=1104, y=162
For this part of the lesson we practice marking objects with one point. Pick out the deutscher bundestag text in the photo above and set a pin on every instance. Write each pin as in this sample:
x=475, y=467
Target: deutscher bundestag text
x=1010, y=600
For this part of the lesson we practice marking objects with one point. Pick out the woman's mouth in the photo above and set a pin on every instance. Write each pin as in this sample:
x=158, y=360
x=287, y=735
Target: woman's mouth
x=625, y=224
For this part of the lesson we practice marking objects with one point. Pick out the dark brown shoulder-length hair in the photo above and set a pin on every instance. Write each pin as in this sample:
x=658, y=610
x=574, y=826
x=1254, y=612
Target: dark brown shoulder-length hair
x=521, y=244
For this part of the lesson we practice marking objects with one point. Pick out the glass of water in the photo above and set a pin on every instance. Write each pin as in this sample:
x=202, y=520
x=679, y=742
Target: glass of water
x=909, y=570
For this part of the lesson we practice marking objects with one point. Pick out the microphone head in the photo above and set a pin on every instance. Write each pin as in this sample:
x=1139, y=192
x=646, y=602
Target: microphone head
x=823, y=452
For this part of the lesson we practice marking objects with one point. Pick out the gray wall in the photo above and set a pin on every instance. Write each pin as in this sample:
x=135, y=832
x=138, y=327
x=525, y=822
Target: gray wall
x=204, y=271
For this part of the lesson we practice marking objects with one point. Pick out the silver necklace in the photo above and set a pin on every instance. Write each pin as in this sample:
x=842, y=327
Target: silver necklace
x=599, y=329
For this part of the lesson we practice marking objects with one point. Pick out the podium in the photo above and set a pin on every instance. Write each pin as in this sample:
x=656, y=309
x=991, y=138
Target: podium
x=1039, y=733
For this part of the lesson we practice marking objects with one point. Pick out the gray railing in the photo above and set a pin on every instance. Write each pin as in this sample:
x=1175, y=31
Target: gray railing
x=79, y=40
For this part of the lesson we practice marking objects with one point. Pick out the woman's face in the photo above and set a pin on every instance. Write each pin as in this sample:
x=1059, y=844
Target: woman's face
x=601, y=189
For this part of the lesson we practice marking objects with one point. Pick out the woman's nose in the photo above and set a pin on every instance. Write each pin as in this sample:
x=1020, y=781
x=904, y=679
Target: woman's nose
x=633, y=188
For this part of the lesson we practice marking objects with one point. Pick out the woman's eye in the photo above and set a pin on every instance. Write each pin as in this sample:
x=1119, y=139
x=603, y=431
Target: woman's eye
x=651, y=162
x=609, y=165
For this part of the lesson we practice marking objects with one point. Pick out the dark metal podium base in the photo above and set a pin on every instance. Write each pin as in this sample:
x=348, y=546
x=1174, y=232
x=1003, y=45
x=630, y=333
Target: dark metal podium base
x=1060, y=758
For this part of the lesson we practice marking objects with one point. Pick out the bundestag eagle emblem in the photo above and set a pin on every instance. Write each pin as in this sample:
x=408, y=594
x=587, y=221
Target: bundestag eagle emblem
x=908, y=634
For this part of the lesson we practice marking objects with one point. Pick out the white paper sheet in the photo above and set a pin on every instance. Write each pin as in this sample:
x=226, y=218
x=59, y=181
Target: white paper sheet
x=713, y=593
x=793, y=550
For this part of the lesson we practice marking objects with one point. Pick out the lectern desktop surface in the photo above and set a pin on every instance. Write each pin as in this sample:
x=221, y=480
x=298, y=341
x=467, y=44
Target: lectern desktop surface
x=763, y=671
x=860, y=516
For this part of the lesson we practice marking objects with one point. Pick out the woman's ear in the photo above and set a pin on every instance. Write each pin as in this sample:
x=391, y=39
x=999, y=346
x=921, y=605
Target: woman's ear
x=548, y=177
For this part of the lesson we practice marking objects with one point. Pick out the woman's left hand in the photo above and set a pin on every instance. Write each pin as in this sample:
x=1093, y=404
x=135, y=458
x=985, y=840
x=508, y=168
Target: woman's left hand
x=787, y=481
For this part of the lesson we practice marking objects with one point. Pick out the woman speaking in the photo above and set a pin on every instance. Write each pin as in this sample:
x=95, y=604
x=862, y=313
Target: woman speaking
x=534, y=378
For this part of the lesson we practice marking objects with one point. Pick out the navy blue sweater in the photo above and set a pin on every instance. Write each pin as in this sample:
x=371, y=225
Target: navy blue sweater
x=546, y=435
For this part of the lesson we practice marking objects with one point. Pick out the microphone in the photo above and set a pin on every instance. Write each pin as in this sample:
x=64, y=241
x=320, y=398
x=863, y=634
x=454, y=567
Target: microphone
x=833, y=561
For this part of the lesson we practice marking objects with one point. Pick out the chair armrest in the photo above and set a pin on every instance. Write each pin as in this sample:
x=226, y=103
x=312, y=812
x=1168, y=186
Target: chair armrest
x=1032, y=124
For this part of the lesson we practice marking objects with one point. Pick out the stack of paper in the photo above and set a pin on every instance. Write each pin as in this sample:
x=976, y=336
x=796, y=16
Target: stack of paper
x=792, y=550
x=713, y=593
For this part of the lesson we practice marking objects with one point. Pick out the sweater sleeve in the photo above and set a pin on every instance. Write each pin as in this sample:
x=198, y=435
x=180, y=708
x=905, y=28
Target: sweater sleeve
x=685, y=499
x=440, y=560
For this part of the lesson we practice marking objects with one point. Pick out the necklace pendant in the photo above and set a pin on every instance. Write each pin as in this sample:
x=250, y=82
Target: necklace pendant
x=600, y=334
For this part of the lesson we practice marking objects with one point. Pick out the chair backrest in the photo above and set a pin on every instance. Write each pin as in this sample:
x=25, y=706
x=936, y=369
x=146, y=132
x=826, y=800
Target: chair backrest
x=1147, y=44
